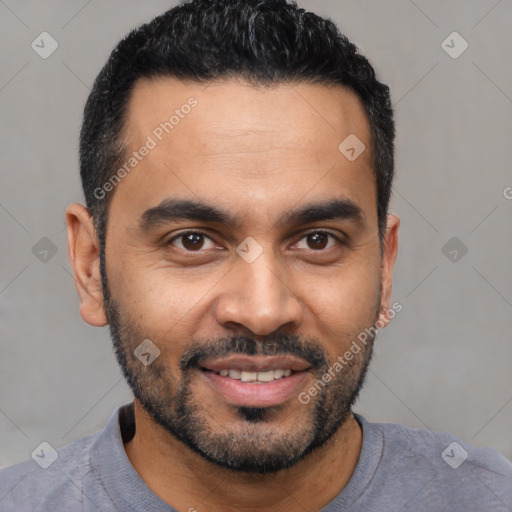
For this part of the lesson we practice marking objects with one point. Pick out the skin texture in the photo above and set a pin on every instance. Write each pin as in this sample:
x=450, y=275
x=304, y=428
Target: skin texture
x=256, y=154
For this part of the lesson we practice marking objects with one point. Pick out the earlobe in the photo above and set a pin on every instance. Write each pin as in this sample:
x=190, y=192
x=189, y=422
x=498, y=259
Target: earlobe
x=83, y=249
x=389, y=254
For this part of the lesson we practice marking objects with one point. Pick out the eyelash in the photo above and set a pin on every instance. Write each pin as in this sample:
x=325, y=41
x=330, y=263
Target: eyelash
x=199, y=232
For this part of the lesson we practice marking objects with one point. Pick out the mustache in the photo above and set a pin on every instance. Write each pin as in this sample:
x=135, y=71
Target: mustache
x=311, y=351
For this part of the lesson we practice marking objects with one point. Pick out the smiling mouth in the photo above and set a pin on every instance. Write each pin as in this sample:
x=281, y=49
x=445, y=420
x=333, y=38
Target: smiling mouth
x=251, y=376
x=255, y=381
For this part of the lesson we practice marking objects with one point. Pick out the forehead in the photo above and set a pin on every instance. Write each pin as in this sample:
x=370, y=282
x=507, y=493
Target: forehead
x=235, y=107
x=239, y=146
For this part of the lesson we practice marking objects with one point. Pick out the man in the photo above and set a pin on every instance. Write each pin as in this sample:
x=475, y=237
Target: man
x=237, y=160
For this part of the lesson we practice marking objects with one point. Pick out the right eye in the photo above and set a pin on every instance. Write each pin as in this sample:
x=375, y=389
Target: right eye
x=191, y=241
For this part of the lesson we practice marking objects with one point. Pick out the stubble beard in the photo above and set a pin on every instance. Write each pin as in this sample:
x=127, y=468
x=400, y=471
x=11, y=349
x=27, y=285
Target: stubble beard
x=258, y=442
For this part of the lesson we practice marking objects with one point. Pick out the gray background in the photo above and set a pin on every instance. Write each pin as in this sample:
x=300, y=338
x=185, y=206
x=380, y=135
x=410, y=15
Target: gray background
x=443, y=363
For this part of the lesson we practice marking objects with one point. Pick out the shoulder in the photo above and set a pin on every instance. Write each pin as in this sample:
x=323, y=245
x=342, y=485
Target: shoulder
x=443, y=447
x=37, y=482
x=444, y=465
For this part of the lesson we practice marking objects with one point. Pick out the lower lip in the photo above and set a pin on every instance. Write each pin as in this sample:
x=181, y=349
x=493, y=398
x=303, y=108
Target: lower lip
x=256, y=394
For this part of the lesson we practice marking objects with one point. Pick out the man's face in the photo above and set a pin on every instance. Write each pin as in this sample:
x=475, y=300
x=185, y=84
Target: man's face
x=268, y=294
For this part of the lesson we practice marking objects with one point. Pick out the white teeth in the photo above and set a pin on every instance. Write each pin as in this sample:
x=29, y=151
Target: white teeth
x=266, y=376
x=278, y=374
x=245, y=376
x=235, y=374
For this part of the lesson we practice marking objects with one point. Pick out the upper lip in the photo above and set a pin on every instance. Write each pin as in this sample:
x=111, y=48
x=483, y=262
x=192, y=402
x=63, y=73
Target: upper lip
x=243, y=362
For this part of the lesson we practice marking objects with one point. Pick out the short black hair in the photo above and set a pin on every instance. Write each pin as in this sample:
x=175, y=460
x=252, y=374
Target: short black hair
x=265, y=42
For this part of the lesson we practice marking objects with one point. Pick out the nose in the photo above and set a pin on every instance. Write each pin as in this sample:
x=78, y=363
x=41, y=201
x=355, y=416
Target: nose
x=259, y=297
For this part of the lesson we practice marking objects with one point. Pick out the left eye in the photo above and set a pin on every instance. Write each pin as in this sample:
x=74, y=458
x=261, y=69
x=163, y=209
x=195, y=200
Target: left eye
x=319, y=240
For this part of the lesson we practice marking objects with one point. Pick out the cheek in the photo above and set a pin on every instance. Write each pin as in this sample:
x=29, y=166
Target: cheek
x=344, y=304
x=352, y=287
x=359, y=295
x=161, y=302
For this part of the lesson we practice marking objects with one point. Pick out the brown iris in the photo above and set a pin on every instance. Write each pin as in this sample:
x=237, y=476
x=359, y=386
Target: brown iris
x=193, y=241
x=319, y=240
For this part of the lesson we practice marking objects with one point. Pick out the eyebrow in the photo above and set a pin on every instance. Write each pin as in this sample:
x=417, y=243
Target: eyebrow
x=172, y=210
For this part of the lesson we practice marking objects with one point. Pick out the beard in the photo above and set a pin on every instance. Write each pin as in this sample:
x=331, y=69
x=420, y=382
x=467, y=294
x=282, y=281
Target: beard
x=256, y=441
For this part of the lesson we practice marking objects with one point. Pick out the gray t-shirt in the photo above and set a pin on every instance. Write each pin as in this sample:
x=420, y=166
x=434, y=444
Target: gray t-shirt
x=399, y=469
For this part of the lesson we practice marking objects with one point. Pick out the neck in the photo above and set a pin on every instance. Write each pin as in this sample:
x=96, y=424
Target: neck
x=186, y=481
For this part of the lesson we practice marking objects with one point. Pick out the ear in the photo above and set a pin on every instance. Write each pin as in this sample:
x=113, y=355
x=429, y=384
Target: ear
x=83, y=249
x=389, y=254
